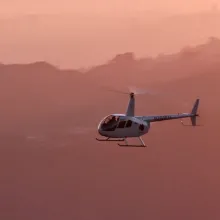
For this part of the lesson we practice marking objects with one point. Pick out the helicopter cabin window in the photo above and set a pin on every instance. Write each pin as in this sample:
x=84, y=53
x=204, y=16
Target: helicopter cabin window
x=110, y=123
x=129, y=123
x=121, y=124
x=141, y=127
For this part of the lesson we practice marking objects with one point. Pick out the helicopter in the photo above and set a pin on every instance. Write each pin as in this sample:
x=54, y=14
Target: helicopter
x=120, y=127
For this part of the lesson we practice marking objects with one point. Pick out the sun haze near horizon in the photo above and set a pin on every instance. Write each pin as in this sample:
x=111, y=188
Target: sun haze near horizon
x=86, y=33
x=49, y=6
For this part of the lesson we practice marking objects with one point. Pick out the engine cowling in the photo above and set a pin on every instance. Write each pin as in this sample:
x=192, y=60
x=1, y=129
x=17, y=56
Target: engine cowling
x=143, y=127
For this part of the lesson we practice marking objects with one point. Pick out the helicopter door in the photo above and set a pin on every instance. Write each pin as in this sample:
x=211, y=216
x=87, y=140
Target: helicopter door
x=121, y=124
x=128, y=124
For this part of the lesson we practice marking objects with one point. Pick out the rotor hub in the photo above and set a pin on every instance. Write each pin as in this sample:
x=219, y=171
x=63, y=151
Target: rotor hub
x=132, y=95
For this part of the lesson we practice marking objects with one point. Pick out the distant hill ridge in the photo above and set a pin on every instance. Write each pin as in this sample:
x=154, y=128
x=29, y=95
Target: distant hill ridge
x=191, y=60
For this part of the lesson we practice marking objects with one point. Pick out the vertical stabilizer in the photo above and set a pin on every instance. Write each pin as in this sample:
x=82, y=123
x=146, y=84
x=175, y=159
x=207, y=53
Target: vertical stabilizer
x=194, y=112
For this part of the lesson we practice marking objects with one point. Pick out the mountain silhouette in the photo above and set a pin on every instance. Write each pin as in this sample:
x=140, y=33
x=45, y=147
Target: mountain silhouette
x=124, y=68
x=33, y=36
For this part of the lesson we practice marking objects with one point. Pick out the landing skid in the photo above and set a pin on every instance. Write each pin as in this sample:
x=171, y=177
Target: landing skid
x=130, y=145
x=108, y=139
x=125, y=140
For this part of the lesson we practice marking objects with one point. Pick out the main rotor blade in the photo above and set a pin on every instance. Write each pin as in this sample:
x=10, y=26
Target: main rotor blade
x=164, y=96
x=139, y=91
x=133, y=89
x=118, y=91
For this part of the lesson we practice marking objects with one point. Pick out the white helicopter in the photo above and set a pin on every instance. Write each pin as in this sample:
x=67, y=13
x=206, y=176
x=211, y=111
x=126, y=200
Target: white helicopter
x=119, y=127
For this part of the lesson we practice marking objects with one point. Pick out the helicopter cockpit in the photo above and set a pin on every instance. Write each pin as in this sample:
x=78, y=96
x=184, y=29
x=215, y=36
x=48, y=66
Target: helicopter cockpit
x=110, y=123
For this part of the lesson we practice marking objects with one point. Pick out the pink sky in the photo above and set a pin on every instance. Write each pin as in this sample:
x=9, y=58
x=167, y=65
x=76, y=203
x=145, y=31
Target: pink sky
x=93, y=33
x=21, y=6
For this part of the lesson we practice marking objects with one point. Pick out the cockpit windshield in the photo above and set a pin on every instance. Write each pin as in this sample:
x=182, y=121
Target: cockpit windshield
x=110, y=123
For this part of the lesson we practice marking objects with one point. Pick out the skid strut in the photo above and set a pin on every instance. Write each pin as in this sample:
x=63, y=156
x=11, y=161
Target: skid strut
x=131, y=145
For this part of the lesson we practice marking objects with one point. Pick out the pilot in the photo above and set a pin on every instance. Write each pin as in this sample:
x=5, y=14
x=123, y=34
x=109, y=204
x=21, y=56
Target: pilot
x=111, y=124
x=112, y=120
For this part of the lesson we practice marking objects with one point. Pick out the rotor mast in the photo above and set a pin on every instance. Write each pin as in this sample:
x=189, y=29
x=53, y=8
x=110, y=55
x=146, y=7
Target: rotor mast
x=131, y=105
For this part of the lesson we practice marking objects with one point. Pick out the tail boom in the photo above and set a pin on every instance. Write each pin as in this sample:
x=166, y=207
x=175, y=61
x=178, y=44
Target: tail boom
x=191, y=115
x=166, y=117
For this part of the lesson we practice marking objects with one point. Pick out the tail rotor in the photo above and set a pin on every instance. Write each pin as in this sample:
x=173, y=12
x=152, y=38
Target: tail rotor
x=194, y=114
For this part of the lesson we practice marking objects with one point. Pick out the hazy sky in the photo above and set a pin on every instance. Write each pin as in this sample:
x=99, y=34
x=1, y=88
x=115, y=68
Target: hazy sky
x=97, y=30
x=21, y=6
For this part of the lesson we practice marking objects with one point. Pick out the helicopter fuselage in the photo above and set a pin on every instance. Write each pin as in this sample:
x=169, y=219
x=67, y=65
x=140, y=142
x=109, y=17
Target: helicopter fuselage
x=122, y=126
